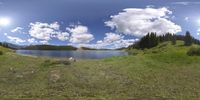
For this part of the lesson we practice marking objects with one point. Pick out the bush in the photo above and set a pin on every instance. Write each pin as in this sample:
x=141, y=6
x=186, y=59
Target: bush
x=46, y=63
x=194, y=51
x=1, y=53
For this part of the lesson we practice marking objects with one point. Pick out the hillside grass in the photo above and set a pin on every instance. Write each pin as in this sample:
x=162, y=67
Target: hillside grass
x=165, y=72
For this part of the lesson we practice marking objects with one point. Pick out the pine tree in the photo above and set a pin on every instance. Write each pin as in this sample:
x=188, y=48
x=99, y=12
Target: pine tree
x=173, y=40
x=188, y=39
x=149, y=41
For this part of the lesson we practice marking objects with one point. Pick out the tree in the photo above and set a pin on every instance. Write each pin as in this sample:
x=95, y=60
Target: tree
x=149, y=41
x=188, y=39
x=173, y=39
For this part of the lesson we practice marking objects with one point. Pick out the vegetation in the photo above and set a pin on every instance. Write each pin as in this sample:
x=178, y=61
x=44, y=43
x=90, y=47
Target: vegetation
x=151, y=40
x=188, y=39
x=163, y=72
x=173, y=40
x=86, y=48
x=10, y=45
x=164, y=68
x=1, y=53
x=148, y=41
x=49, y=47
x=194, y=51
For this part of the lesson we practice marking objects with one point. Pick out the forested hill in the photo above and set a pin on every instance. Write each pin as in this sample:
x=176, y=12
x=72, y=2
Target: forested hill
x=49, y=47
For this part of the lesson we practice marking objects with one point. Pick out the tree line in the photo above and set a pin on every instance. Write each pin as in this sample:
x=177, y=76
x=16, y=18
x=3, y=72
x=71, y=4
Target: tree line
x=152, y=40
x=4, y=44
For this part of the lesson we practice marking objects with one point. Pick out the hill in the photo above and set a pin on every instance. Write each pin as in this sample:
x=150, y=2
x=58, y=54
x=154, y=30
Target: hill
x=49, y=47
x=10, y=45
x=163, y=72
x=3, y=49
x=87, y=48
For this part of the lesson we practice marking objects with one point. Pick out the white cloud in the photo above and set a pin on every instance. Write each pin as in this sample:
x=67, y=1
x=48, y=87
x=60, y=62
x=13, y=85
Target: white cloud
x=63, y=36
x=111, y=37
x=138, y=22
x=17, y=30
x=150, y=6
x=32, y=40
x=111, y=41
x=186, y=3
x=198, y=31
x=181, y=3
x=44, y=42
x=186, y=19
x=16, y=39
x=114, y=45
x=45, y=31
x=80, y=34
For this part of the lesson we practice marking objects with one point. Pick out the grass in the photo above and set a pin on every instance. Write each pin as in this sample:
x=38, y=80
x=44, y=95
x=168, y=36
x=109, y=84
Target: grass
x=194, y=51
x=165, y=72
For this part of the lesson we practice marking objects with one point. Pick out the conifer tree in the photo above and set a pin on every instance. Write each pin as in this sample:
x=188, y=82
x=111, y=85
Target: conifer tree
x=149, y=41
x=188, y=39
x=173, y=40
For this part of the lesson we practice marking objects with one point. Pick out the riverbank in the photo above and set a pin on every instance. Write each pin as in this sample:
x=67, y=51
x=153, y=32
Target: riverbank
x=163, y=72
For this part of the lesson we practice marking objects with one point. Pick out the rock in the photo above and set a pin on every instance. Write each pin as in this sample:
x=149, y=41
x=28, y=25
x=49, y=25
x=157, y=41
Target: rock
x=12, y=70
x=19, y=76
x=72, y=59
x=54, y=76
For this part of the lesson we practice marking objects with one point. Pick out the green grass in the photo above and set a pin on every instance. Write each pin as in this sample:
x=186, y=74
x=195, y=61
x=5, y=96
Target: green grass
x=194, y=51
x=165, y=72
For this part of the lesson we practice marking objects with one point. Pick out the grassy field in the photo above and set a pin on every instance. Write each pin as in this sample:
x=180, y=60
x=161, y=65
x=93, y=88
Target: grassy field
x=161, y=73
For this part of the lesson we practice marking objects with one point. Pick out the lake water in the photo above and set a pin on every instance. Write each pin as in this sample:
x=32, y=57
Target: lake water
x=82, y=54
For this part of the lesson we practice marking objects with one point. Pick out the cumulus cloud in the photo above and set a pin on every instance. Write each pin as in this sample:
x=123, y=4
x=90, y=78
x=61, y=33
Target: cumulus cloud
x=45, y=31
x=44, y=42
x=111, y=41
x=17, y=30
x=16, y=39
x=138, y=22
x=114, y=40
x=32, y=40
x=112, y=37
x=113, y=45
x=80, y=34
x=63, y=36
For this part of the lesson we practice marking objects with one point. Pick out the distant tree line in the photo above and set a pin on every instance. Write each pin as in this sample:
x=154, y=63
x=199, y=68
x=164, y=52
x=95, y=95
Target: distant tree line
x=152, y=40
x=4, y=44
x=49, y=47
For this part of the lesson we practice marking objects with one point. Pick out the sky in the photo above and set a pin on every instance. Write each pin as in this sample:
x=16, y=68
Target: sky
x=95, y=23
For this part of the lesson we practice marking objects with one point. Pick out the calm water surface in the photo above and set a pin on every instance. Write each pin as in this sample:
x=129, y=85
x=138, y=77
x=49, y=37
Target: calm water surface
x=82, y=54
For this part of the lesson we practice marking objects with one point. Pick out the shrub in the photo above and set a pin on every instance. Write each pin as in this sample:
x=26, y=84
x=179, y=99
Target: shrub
x=1, y=53
x=194, y=51
x=46, y=63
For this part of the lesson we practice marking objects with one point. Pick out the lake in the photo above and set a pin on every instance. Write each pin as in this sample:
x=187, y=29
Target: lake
x=80, y=54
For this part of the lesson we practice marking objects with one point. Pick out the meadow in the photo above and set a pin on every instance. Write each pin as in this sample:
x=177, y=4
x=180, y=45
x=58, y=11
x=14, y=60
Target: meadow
x=164, y=72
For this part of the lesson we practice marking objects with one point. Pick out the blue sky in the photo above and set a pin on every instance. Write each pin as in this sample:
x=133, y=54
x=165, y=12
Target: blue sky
x=94, y=23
